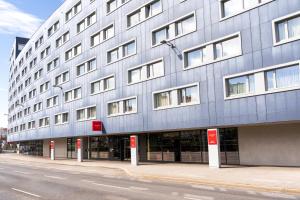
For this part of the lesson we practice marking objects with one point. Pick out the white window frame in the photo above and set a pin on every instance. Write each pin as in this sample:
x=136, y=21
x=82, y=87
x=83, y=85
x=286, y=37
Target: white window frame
x=176, y=88
x=44, y=118
x=274, y=29
x=72, y=96
x=72, y=11
x=61, y=75
x=212, y=57
x=101, y=33
x=123, y=112
x=51, y=101
x=72, y=49
x=118, y=6
x=85, y=19
x=146, y=64
x=85, y=63
x=238, y=13
x=260, y=81
x=61, y=114
x=173, y=22
x=85, y=113
x=120, y=51
x=102, y=79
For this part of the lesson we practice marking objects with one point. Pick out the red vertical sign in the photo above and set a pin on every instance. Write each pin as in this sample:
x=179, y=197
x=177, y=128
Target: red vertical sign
x=133, y=141
x=97, y=126
x=52, y=145
x=212, y=136
x=78, y=143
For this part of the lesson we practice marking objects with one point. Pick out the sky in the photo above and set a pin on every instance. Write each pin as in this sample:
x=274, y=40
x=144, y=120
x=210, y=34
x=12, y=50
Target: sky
x=18, y=18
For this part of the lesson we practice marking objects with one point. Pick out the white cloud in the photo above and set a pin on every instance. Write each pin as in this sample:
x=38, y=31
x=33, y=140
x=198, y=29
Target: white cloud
x=16, y=22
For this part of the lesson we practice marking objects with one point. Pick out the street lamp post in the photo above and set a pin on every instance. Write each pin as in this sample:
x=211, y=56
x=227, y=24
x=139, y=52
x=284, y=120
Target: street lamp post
x=173, y=47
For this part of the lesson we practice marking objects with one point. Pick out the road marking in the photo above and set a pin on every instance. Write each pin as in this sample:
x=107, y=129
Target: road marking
x=196, y=197
x=31, y=194
x=20, y=172
x=55, y=177
x=109, y=176
x=138, y=188
x=203, y=187
x=278, y=195
x=111, y=186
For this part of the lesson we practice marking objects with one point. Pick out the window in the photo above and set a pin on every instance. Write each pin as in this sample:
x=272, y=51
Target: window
x=38, y=74
x=45, y=52
x=282, y=77
x=112, y=5
x=32, y=94
x=44, y=122
x=240, y=85
x=147, y=71
x=73, y=52
x=51, y=102
x=86, y=67
x=73, y=11
x=61, y=118
x=86, y=113
x=102, y=35
x=287, y=28
x=72, y=95
x=62, y=78
x=181, y=96
x=39, y=42
x=53, y=29
x=183, y=26
x=232, y=7
x=87, y=22
x=37, y=107
x=62, y=39
x=31, y=125
x=227, y=48
x=121, y=52
x=220, y=49
x=134, y=18
x=123, y=106
x=44, y=87
x=53, y=64
x=103, y=85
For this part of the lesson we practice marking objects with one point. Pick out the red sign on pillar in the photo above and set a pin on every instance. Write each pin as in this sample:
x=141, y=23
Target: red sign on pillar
x=133, y=141
x=212, y=136
x=52, y=145
x=78, y=143
x=97, y=125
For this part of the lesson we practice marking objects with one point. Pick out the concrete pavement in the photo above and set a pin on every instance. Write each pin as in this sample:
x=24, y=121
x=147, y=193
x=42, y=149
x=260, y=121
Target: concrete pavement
x=24, y=180
x=269, y=179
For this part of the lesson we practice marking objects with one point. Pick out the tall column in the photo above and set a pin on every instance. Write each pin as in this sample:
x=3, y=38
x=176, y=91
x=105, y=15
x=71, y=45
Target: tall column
x=52, y=150
x=214, y=155
x=18, y=148
x=134, y=150
x=79, y=150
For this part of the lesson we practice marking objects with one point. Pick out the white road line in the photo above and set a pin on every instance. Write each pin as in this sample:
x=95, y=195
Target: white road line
x=138, y=188
x=28, y=193
x=20, y=172
x=278, y=195
x=196, y=197
x=203, y=187
x=55, y=177
x=111, y=186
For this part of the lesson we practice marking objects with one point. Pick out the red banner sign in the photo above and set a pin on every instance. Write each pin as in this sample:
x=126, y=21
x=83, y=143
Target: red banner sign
x=97, y=126
x=78, y=143
x=133, y=141
x=212, y=136
x=52, y=145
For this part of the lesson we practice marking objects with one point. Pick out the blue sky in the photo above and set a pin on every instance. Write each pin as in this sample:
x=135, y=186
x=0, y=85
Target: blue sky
x=18, y=18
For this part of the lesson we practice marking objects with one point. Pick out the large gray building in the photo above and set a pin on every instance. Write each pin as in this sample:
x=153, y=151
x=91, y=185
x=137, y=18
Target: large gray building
x=166, y=70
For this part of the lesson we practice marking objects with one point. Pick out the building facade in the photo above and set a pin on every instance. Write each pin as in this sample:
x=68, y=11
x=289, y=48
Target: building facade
x=166, y=70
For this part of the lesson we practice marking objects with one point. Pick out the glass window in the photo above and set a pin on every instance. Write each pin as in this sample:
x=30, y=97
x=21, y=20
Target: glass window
x=135, y=75
x=109, y=32
x=80, y=26
x=95, y=87
x=91, y=65
x=109, y=83
x=80, y=114
x=80, y=69
x=77, y=93
x=162, y=99
x=153, y=9
x=186, y=26
x=91, y=19
x=160, y=35
x=65, y=117
x=196, y=57
x=91, y=113
x=294, y=27
x=95, y=40
x=129, y=49
x=232, y=7
x=111, y=6
x=188, y=95
x=229, y=47
x=283, y=77
x=155, y=70
x=134, y=18
x=113, y=108
x=113, y=55
x=130, y=105
x=241, y=85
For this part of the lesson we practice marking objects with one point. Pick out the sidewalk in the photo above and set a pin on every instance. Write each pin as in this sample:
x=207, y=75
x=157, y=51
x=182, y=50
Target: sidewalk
x=271, y=179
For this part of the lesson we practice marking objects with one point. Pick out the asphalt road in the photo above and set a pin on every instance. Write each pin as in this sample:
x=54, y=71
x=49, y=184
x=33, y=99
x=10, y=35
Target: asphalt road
x=26, y=181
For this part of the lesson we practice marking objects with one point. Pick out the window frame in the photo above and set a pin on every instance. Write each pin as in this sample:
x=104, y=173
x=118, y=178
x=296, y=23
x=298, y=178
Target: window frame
x=102, y=79
x=122, y=113
x=85, y=113
x=118, y=47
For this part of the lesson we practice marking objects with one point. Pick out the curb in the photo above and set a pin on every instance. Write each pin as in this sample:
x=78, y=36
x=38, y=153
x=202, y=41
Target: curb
x=214, y=183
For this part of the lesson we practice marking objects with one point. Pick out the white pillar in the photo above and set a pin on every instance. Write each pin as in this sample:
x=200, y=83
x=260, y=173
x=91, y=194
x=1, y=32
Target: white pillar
x=214, y=155
x=52, y=150
x=79, y=150
x=134, y=150
x=18, y=148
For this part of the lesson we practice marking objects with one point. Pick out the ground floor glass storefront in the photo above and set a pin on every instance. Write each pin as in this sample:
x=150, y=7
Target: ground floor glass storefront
x=181, y=146
x=34, y=148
